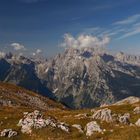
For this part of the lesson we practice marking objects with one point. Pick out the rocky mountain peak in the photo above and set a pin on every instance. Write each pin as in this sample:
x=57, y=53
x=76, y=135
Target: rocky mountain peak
x=127, y=58
x=79, y=78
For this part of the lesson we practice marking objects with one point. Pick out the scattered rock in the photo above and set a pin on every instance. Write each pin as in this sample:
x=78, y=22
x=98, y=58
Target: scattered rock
x=1, y=123
x=35, y=120
x=56, y=124
x=131, y=124
x=92, y=110
x=137, y=110
x=63, y=126
x=81, y=116
x=8, y=133
x=30, y=120
x=26, y=129
x=79, y=127
x=92, y=127
x=51, y=122
x=125, y=118
x=111, y=130
x=138, y=123
x=103, y=114
x=5, y=118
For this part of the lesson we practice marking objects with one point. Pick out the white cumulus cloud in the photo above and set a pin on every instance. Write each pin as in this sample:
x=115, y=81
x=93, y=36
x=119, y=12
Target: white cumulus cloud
x=38, y=51
x=17, y=46
x=84, y=41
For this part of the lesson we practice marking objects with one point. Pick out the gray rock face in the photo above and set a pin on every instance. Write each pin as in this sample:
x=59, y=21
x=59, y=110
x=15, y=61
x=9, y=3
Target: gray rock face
x=103, y=115
x=35, y=120
x=80, y=81
x=21, y=71
x=8, y=133
x=137, y=110
x=78, y=78
x=138, y=123
x=92, y=127
x=125, y=118
x=131, y=59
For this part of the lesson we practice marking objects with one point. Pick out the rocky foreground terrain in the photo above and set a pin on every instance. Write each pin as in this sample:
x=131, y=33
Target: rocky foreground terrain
x=77, y=78
x=39, y=118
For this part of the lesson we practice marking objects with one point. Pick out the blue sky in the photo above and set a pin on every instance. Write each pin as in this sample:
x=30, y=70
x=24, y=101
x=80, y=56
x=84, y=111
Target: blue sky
x=35, y=26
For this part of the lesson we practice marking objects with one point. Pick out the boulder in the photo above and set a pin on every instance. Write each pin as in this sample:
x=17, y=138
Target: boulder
x=8, y=133
x=63, y=126
x=40, y=123
x=31, y=120
x=138, y=123
x=79, y=127
x=81, y=116
x=51, y=122
x=137, y=110
x=92, y=127
x=35, y=120
x=26, y=129
x=125, y=118
x=103, y=114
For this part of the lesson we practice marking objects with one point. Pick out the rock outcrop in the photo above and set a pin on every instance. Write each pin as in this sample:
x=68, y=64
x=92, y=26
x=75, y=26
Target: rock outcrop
x=103, y=115
x=82, y=78
x=79, y=127
x=138, y=123
x=137, y=110
x=125, y=118
x=81, y=116
x=35, y=120
x=8, y=133
x=92, y=127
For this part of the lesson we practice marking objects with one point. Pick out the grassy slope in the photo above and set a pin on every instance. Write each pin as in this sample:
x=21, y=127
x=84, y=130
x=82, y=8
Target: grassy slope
x=122, y=132
x=16, y=89
x=11, y=115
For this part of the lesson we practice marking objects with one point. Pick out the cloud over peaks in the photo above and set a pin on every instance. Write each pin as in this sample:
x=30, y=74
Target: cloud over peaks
x=84, y=41
x=37, y=52
x=17, y=46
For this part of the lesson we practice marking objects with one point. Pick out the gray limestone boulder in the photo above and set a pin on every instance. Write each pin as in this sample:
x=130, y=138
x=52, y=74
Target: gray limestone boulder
x=138, y=123
x=125, y=118
x=103, y=115
x=92, y=127
x=137, y=110
x=79, y=127
x=8, y=133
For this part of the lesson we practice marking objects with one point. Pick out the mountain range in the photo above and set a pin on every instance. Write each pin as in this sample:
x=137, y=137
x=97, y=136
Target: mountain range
x=78, y=78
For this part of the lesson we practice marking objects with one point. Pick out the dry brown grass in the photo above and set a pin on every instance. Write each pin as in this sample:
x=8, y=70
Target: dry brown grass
x=11, y=115
x=122, y=132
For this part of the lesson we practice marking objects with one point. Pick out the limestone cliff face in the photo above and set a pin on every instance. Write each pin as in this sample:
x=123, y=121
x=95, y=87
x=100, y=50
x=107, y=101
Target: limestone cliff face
x=86, y=78
x=78, y=78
